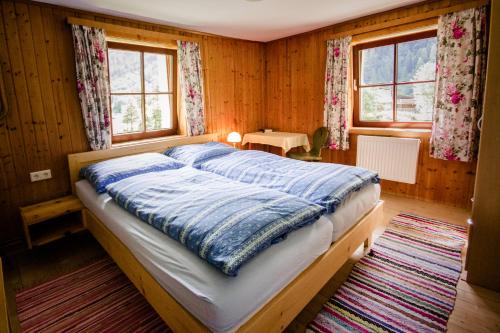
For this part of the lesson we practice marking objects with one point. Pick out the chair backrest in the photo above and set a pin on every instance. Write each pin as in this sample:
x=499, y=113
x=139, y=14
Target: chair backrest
x=320, y=137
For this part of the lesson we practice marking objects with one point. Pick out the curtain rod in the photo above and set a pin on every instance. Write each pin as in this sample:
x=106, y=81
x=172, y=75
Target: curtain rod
x=124, y=31
x=399, y=22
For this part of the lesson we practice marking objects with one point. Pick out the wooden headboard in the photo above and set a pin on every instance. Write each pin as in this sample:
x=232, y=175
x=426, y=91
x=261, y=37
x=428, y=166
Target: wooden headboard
x=80, y=160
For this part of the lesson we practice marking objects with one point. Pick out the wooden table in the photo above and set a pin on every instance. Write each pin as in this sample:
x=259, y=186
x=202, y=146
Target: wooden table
x=284, y=140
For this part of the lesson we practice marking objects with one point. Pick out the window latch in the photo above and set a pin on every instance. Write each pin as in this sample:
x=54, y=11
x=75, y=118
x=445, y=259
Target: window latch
x=355, y=83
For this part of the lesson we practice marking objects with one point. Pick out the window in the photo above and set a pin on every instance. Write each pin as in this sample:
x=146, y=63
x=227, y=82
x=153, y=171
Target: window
x=394, y=81
x=143, y=91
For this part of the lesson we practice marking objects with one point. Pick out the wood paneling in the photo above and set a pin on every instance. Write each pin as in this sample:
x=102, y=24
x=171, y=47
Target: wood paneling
x=234, y=73
x=295, y=69
x=45, y=123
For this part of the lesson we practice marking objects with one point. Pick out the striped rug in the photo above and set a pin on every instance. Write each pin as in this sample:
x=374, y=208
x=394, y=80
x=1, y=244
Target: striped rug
x=96, y=298
x=407, y=283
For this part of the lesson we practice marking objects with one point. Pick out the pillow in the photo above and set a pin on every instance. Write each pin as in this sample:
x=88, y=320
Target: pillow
x=103, y=173
x=196, y=154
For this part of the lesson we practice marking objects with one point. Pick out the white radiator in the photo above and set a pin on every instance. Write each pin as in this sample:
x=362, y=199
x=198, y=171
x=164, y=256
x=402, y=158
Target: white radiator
x=393, y=158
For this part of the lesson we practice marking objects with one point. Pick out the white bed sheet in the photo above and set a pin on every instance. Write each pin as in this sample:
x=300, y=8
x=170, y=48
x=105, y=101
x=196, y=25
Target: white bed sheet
x=222, y=303
x=356, y=205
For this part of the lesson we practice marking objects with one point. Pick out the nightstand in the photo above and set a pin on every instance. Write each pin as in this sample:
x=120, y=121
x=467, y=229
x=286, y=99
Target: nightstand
x=50, y=220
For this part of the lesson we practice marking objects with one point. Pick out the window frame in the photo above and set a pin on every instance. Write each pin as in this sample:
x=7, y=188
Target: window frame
x=145, y=134
x=357, y=122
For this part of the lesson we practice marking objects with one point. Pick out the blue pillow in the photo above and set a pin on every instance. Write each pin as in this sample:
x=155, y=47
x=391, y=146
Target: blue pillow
x=196, y=154
x=103, y=173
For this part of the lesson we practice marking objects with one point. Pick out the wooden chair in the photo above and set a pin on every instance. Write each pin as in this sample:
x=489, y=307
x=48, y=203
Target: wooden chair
x=314, y=155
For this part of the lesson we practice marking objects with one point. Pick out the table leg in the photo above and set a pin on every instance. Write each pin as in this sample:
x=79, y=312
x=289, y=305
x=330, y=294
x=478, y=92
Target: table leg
x=283, y=152
x=250, y=146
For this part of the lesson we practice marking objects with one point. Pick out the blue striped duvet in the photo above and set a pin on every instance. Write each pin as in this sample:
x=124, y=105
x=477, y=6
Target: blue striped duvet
x=223, y=221
x=325, y=184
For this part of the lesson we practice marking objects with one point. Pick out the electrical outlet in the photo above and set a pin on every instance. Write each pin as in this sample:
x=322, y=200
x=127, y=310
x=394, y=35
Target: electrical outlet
x=40, y=175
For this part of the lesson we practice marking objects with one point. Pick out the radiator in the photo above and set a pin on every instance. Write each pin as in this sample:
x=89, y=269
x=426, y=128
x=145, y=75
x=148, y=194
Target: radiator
x=393, y=158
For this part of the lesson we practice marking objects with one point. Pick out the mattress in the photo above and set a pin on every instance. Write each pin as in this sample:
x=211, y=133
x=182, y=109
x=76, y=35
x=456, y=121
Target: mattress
x=220, y=302
x=354, y=207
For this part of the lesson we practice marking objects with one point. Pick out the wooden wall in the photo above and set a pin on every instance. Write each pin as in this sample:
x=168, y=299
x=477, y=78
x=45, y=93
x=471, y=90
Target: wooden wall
x=295, y=70
x=45, y=123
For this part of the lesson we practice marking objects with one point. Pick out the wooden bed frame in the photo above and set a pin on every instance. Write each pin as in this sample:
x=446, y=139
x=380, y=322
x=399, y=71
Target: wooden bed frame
x=278, y=312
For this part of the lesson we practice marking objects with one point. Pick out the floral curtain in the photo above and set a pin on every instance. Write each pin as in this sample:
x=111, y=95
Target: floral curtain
x=461, y=67
x=191, y=86
x=92, y=84
x=336, y=92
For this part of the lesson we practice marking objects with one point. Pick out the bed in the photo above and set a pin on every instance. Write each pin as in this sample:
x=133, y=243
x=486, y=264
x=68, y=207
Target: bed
x=355, y=206
x=221, y=303
x=179, y=292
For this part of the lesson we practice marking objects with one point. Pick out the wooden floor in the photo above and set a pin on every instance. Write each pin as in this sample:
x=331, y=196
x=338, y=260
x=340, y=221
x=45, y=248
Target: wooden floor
x=476, y=309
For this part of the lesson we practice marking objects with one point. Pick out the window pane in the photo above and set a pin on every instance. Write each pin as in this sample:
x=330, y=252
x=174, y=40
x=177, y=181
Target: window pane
x=124, y=71
x=127, y=114
x=377, y=65
x=376, y=104
x=155, y=72
x=158, y=112
x=415, y=102
x=417, y=60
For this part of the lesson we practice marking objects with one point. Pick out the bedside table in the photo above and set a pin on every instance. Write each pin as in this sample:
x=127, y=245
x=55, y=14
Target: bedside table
x=50, y=220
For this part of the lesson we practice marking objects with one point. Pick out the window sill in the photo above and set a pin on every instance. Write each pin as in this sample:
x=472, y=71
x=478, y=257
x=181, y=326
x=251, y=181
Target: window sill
x=143, y=141
x=400, y=132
